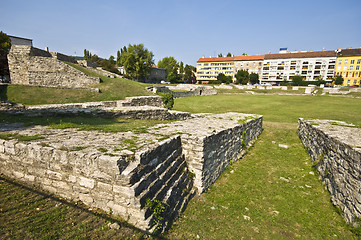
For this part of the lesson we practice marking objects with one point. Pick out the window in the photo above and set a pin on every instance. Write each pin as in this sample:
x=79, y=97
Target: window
x=346, y=61
x=356, y=74
x=344, y=67
x=358, y=67
x=338, y=67
x=352, y=61
x=358, y=61
x=350, y=74
x=348, y=82
x=351, y=67
x=354, y=82
x=344, y=74
x=339, y=62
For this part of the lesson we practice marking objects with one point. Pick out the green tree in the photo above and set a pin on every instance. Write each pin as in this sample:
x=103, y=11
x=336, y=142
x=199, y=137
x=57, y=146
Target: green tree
x=111, y=60
x=254, y=78
x=189, y=75
x=229, y=54
x=118, y=59
x=339, y=80
x=220, y=55
x=320, y=81
x=297, y=80
x=137, y=61
x=242, y=77
x=170, y=65
x=221, y=78
x=181, y=67
x=5, y=42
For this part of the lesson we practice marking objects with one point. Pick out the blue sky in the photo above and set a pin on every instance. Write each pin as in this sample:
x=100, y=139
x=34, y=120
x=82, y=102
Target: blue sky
x=186, y=30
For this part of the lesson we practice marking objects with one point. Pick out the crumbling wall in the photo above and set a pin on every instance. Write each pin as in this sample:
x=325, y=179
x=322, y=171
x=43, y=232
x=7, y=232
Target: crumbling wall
x=335, y=148
x=36, y=67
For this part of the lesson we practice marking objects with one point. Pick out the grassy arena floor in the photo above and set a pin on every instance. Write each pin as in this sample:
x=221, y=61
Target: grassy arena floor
x=272, y=193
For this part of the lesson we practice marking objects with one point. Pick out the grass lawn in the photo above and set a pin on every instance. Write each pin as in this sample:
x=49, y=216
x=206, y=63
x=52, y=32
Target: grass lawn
x=272, y=193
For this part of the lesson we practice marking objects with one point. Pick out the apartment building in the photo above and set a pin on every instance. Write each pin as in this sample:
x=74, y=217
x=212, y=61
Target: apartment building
x=310, y=65
x=252, y=63
x=348, y=66
x=209, y=68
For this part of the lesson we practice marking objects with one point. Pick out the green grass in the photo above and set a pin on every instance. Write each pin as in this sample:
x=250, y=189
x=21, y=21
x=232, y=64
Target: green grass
x=86, y=123
x=276, y=108
x=9, y=136
x=28, y=214
x=253, y=202
x=110, y=89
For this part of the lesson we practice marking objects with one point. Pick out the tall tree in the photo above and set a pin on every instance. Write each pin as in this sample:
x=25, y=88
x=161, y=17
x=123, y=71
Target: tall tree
x=189, y=75
x=254, y=78
x=118, y=59
x=137, y=61
x=171, y=67
x=220, y=55
x=181, y=67
x=111, y=60
x=229, y=54
x=242, y=77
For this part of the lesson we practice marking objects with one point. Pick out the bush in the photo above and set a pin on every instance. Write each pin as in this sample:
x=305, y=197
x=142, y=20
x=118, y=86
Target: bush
x=167, y=98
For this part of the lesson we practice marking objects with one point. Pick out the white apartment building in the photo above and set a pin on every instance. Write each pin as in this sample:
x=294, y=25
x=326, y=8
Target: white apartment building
x=310, y=65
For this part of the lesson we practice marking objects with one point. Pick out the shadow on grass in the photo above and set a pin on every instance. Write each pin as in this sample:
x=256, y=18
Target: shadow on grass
x=78, y=205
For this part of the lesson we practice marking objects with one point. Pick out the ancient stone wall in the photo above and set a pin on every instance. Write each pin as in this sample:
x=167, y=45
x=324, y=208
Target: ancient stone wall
x=335, y=148
x=36, y=67
x=63, y=57
x=121, y=184
x=197, y=91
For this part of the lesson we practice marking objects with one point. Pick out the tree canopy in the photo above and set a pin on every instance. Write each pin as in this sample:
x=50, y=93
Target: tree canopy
x=254, y=78
x=229, y=54
x=137, y=61
x=297, y=80
x=170, y=65
x=189, y=76
x=5, y=43
x=242, y=77
x=339, y=80
x=221, y=78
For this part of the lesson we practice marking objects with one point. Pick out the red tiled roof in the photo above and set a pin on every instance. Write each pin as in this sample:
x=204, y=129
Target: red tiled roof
x=301, y=55
x=249, y=58
x=216, y=59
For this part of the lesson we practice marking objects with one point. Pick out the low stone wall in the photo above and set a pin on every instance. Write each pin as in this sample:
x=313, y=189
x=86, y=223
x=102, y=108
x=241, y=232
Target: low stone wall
x=198, y=91
x=335, y=148
x=36, y=67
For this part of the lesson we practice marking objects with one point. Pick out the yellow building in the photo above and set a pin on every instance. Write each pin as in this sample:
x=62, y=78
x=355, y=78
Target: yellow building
x=209, y=68
x=348, y=65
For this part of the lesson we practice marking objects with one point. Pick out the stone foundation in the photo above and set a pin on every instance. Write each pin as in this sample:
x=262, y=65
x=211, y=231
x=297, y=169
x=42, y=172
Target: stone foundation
x=335, y=148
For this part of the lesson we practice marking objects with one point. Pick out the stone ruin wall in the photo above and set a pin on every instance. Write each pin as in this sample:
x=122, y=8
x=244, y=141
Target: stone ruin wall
x=36, y=67
x=195, y=91
x=338, y=161
x=122, y=182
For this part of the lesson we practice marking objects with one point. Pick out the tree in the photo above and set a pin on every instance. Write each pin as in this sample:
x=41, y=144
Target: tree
x=181, y=67
x=111, y=60
x=221, y=78
x=189, y=76
x=5, y=42
x=339, y=80
x=254, y=78
x=297, y=80
x=87, y=55
x=229, y=54
x=242, y=77
x=320, y=81
x=170, y=65
x=137, y=61
x=220, y=55
x=244, y=54
x=118, y=59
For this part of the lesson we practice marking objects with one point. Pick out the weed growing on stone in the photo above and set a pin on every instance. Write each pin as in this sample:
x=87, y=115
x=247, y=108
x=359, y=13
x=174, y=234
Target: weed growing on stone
x=103, y=150
x=157, y=207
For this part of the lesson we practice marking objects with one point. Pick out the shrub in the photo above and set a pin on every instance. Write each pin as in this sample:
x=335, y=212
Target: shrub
x=167, y=98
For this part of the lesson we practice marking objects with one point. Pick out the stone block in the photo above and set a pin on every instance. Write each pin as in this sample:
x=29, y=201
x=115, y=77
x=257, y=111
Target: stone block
x=86, y=182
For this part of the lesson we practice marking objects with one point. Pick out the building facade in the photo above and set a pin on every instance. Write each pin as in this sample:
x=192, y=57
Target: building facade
x=349, y=66
x=209, y=68
x=252, y=63
x=310, y=65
